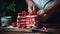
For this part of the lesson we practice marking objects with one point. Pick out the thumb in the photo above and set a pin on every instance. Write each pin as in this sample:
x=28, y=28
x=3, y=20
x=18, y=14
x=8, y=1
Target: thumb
x=29, y=9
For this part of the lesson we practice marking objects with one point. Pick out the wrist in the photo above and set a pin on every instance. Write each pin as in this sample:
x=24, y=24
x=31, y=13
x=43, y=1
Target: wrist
x=29, y=2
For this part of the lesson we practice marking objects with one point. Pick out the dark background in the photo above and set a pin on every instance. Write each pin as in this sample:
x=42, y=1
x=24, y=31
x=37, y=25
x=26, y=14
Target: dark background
x=20, y=6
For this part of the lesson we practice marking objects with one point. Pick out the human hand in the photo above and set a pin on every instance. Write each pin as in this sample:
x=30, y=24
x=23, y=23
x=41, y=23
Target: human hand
x=31, y=7
x=42, y=15
x=40, y=12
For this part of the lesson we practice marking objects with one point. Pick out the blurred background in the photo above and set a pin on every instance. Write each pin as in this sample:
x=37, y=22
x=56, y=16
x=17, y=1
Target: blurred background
x=10, y=8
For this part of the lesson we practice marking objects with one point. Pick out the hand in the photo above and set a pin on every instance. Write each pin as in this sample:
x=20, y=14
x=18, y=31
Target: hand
x=31, y=7
x=40, y=12
x=42, y=15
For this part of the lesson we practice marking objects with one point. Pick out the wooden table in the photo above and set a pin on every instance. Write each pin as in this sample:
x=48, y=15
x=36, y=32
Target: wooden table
x=55, y=30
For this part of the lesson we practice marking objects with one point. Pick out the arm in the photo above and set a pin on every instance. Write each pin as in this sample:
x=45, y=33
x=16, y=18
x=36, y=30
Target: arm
x=50, y=10
x=28, y=1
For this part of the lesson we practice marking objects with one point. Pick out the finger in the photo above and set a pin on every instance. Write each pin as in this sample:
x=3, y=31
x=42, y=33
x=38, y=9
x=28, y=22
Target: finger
x=42, y=11
x=38, y=13
x=29, y=9
x=33, y=8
